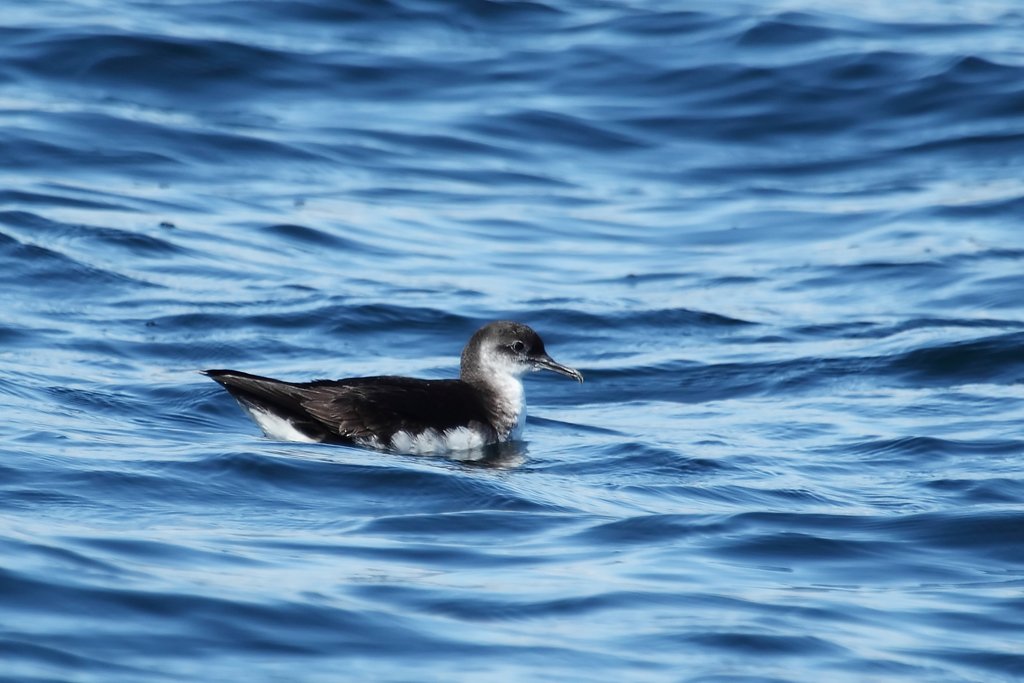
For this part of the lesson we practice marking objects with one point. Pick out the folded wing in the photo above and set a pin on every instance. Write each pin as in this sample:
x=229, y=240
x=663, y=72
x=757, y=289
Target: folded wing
x=364, y=409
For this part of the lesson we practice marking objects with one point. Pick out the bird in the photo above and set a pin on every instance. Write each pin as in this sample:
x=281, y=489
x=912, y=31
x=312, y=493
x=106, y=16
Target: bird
x=485, y=405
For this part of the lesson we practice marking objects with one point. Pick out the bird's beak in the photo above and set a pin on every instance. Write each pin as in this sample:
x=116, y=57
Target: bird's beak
x=546, y=362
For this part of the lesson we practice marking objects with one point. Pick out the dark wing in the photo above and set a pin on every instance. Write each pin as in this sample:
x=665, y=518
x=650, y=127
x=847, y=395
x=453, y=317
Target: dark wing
x=379, y=407
x=281, y=398
x=361, y=408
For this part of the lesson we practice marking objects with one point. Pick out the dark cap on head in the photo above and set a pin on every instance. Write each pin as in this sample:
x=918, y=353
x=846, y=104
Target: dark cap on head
x=515, y=345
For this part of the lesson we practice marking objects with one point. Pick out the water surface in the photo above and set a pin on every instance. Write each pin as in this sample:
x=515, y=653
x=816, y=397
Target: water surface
x=781, y=240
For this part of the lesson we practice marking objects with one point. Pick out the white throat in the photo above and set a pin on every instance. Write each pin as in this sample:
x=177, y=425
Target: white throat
x=502, y=379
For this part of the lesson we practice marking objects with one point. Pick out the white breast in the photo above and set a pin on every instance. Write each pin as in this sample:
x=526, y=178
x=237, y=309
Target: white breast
x=520, y=425
x=508, y=390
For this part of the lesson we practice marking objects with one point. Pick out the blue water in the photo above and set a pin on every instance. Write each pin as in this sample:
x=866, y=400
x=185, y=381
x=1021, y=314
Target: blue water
x=782, y=239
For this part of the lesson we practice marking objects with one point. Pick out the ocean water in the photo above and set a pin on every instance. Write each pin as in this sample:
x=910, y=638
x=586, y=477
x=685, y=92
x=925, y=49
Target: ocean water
x=783, y=241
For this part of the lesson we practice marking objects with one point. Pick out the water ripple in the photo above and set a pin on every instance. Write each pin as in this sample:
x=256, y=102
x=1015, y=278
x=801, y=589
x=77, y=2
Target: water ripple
x=782, y=245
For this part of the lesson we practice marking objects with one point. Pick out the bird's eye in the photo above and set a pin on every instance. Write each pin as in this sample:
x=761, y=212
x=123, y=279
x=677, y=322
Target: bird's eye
x=518, y=346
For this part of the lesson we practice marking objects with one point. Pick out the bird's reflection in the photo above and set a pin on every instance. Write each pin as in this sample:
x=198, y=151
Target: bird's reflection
x=505, y=455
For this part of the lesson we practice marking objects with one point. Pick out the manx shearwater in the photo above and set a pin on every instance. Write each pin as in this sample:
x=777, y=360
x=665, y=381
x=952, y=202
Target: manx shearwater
x=485, y=405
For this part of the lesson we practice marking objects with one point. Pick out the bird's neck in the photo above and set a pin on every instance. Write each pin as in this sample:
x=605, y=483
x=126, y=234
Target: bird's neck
x=506, y=402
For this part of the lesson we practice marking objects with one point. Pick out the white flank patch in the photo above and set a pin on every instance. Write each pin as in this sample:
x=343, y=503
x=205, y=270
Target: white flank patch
x=431, y=441
x=276, y=427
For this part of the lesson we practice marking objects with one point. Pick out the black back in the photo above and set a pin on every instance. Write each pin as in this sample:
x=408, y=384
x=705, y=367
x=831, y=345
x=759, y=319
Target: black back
x=349, y=410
